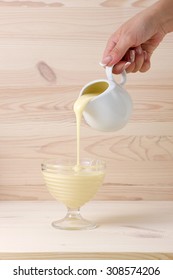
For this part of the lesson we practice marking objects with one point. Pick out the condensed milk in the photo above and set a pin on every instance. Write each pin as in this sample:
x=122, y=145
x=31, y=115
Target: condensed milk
x=79, y=107
x=75, y=184
x=74, y=188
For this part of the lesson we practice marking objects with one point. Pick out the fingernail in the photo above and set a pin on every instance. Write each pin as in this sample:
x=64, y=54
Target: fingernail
x=102, y=64
x=106, y=60
x=126, y=65
x=139, y=50
x=145, y=55
x=132, y=56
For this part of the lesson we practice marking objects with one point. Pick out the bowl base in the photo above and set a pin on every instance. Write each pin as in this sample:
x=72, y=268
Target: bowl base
x=73, y=222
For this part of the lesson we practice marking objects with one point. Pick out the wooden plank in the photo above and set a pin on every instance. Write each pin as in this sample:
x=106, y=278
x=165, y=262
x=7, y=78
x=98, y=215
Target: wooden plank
x=113, y=148
x=35, y=44
x=109, y=191
x=56, y=104
x=76, y=3
x=132, y=230
x=138, y=180
x=86, y=256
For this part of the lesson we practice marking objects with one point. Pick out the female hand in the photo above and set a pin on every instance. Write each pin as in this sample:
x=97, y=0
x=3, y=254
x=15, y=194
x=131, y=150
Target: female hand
x=130, y=48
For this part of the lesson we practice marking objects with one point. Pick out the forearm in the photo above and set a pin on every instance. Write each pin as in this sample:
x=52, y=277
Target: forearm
x=164, y=10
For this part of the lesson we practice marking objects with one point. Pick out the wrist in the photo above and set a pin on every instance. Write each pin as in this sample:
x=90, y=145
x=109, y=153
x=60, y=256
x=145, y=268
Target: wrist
x=164, y=13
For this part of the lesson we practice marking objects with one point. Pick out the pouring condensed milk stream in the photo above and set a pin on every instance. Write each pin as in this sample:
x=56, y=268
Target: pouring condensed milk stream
x=79, y=107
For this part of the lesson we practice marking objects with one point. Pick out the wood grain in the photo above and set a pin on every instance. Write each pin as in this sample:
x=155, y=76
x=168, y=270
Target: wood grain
x=127, y=230
x=49, y=50
x=86, y=256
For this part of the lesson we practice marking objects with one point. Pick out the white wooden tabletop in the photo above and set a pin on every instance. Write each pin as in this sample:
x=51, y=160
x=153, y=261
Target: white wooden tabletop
x=130, y=230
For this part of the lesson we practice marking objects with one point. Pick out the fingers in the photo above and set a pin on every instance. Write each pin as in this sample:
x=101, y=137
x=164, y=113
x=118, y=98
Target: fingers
x=119, y=53
x=120, y=67
x=110, y=46
x=115, y=50
x=145, y=67
x=126, y=63
x=134, y=60
x=139, y=59
x=147, y=64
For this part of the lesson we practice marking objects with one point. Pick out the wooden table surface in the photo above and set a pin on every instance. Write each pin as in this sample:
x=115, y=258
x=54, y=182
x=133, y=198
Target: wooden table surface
x=127, y=230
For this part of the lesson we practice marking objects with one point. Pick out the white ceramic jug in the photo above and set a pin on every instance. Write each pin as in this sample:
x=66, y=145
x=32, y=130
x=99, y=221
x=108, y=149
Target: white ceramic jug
x=110, y=110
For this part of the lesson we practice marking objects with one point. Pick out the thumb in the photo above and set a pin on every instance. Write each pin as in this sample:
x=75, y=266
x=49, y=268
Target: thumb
x=116, y=54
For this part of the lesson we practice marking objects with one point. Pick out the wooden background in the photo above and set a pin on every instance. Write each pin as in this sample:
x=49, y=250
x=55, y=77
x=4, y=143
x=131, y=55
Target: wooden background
x=48, y=50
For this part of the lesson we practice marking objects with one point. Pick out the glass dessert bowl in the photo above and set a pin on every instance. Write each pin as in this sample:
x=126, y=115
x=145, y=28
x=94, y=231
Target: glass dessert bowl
x=73, y=186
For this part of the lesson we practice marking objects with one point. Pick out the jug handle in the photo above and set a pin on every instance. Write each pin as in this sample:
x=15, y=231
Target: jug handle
x=110, y=75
